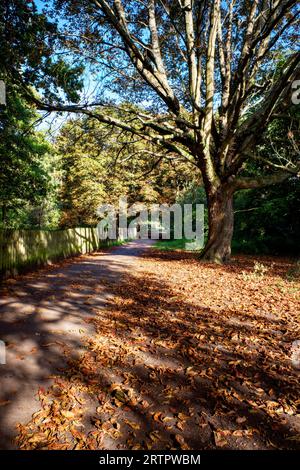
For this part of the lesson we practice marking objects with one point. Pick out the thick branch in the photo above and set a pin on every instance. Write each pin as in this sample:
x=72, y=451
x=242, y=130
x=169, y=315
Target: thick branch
x=210, y=73
x=261, y=181
x=141, y=62
x=190, y=42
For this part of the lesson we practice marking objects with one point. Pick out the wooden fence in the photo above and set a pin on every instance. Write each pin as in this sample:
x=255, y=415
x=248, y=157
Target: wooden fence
x=24, y=249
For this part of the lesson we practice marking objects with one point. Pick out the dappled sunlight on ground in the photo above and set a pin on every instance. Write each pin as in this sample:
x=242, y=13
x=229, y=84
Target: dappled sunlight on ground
x=184, y=355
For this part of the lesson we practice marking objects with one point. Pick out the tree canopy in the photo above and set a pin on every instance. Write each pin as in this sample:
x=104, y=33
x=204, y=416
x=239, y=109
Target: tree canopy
x=100, y=165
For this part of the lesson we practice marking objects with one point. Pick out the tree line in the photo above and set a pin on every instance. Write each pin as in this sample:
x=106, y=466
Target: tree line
x=209, y=83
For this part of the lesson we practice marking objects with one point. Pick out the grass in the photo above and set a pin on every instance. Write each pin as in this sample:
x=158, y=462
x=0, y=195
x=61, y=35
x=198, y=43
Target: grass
x=172, y=245
x=109, y=243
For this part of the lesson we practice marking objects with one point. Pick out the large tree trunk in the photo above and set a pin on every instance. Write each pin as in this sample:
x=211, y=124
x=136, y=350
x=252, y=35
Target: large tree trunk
x=220, y=221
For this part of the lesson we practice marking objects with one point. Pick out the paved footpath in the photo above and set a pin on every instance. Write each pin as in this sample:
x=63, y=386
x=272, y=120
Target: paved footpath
x=42, y=317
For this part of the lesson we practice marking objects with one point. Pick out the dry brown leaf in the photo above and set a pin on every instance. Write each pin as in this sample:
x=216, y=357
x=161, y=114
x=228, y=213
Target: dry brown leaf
x=241, y=419
x=220, y=441
x=4, y=402
x=68, y=414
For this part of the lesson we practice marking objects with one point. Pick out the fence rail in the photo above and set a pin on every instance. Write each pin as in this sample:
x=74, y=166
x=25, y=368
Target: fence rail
x=24, y=249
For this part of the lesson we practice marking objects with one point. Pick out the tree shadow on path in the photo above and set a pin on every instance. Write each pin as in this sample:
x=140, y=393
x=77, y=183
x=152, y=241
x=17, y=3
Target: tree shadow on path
x=163, y=371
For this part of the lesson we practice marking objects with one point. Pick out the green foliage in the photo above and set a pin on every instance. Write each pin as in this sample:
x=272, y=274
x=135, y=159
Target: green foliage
x=171, y=245
x=23, y=176
x=28, y=53
x=27, y=59
x=268, y=220
x=192, y=194
x=195, y=194
x=100, y=164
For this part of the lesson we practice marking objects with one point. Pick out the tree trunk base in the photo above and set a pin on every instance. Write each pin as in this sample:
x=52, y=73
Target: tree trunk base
x=217, y=256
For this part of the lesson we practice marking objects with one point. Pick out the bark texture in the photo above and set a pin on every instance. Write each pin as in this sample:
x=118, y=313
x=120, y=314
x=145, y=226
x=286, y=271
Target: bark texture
x=220, y=217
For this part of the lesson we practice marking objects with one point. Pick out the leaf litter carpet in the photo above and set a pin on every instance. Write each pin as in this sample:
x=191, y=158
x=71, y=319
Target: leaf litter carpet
x=185, y=355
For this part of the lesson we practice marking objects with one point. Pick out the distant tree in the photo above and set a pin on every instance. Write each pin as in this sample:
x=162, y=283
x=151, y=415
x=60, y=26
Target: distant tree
x=27, y=53
x=23, y=176
x=27, y=63
x=99, y=165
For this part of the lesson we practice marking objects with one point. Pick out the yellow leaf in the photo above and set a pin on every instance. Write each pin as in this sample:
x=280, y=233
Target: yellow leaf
x=157, y=416
x=132, y=424
x=67, y=414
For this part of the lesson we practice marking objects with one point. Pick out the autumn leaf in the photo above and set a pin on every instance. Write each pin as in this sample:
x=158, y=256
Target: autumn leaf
x=67, y=414
x=241, y=420
x=4, y=402
x=132, y=424
x=220, y=441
